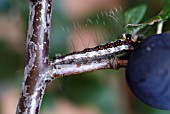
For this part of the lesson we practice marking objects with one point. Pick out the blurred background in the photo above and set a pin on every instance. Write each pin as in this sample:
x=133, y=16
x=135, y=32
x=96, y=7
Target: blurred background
x=99, y=92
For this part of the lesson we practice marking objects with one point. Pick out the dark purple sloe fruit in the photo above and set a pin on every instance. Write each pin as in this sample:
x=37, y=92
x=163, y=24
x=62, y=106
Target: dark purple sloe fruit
x=148, y=71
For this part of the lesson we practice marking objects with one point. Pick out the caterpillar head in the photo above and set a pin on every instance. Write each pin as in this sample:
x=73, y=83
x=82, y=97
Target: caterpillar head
x=132, y=39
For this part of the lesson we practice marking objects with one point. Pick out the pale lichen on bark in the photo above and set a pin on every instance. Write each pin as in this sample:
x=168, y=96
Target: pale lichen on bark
x=37, y=63
x=57, y=71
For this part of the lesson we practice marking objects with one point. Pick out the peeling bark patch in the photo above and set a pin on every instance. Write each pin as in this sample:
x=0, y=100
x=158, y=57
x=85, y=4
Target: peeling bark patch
x=46, y=59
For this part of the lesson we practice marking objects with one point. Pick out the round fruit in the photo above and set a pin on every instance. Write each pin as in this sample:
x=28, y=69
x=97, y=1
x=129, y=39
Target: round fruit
x=148, y=71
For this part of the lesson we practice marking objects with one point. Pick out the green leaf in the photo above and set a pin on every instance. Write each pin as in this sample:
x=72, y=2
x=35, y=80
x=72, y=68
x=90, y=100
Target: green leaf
x=135, y=15
x=134, y=28
x=165, y=12
x=163, y=16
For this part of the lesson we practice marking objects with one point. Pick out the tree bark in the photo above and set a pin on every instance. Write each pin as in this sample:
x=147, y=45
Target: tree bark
x=37, y=47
